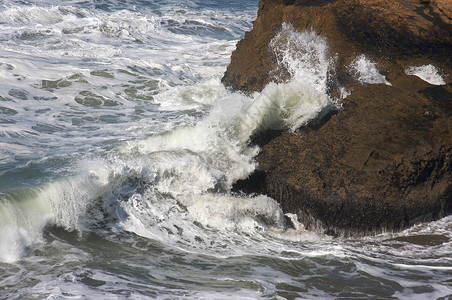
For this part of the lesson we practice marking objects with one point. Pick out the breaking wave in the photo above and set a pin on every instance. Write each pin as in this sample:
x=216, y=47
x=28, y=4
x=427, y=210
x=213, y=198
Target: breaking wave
x=175, y=187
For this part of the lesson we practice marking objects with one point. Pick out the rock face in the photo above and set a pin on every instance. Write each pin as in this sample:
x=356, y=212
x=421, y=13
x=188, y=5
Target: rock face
x=382, y=162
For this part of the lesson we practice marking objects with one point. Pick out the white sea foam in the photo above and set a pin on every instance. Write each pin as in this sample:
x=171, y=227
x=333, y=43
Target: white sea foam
x=187, y=166
x=427, y=73
x=197, y=96
x=75, y=77
x=150, y=75
x=157, y=186
x=31, y=15
x=366, y=71
x=71, y=74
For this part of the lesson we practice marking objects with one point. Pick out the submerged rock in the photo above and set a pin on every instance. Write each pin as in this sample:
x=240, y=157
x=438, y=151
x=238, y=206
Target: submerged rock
x=382, y=162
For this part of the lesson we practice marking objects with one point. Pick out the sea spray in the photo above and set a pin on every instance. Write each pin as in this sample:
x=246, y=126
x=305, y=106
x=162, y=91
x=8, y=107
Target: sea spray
x=366, y=72
x=428, y=73
x=155, y=219
x=21, y=224
x=221, y=138
x=194, y=163
x=305, y=57
x=174, y=187
x=24, y=213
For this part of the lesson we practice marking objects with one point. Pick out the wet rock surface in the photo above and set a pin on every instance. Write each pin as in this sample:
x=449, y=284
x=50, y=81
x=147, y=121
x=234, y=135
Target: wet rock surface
x=383, y=161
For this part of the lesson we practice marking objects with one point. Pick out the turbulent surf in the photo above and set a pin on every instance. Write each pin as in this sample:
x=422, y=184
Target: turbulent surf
x=119, y=147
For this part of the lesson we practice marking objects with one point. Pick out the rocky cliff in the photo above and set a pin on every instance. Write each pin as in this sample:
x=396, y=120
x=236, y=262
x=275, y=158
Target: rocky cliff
x=383, y=161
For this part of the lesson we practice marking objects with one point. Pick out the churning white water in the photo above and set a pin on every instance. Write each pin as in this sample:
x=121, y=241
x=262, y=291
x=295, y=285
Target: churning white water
x=119, y=147
x=156, y=186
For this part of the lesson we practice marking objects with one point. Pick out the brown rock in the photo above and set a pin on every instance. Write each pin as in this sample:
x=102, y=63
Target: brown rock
x=392, y=33
x=383, y=162
x=369, y=168
x=444, y=9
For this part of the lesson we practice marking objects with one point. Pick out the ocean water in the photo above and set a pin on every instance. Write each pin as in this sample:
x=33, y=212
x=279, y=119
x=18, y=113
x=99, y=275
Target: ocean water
x=119, y=147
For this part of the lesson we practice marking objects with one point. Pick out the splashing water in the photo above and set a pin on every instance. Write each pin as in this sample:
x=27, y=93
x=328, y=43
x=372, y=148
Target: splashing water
x=366, y=71
x=427, y=73
x=121, y=147
x=160, y=184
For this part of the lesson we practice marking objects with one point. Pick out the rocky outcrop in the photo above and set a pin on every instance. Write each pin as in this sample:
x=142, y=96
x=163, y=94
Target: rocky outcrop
x=382, y=162
x=444, y=9
x=393, y=33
